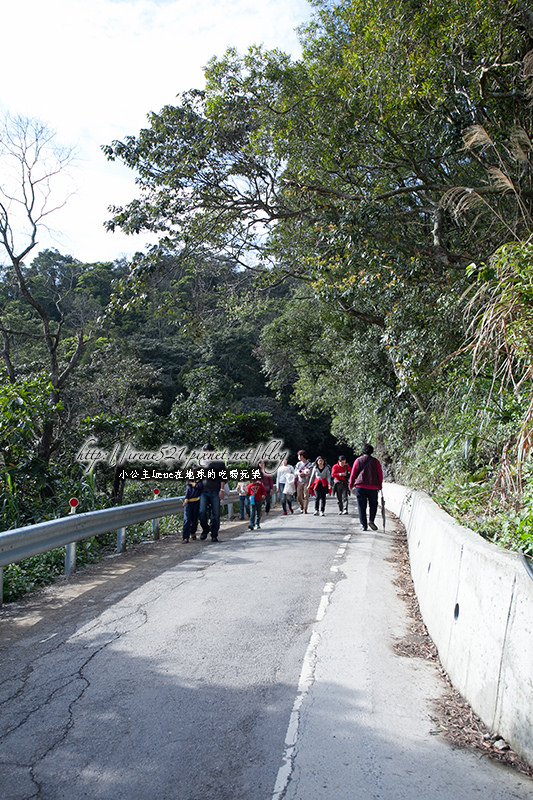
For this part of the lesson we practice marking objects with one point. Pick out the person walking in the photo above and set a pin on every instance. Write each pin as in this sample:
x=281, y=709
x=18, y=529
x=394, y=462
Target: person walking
x=302, y=472
x=367, y=477
x=256, y=493
x=285, y=485
x=191, y=505
x=320, y=484
x=212, y=493
x=268, y=482
x=244, y=501
x=340, y=473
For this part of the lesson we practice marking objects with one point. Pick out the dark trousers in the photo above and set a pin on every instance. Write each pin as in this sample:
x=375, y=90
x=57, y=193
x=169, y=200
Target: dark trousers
x=367, y=497
x=341, y=493
x=244, y=505
x=190, y=518
x=286, y=499
x=255, y=513
x=210, y=514
x=320, y=497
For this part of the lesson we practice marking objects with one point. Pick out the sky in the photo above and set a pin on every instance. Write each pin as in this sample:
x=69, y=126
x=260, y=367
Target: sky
x=92, y=70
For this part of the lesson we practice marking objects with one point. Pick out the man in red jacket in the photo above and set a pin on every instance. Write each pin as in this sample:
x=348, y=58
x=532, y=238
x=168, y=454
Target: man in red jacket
x=340, y=472
x=367, y=477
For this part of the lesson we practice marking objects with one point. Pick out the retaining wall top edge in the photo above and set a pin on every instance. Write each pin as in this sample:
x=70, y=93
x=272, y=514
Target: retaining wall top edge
x=466, y=536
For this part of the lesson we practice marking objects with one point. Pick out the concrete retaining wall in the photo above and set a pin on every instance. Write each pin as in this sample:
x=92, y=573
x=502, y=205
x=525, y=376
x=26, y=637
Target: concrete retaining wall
x=476, y=600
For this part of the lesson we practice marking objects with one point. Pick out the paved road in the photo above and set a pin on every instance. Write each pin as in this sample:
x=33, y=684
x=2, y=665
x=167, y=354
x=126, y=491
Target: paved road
x=260, y=668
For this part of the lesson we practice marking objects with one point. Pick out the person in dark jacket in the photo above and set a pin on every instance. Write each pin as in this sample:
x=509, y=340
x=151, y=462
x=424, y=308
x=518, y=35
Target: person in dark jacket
x=212, y=493
x=191, y=505
x=367, y=477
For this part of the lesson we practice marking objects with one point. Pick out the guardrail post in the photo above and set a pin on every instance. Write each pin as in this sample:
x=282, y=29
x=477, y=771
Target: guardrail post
x=121, y=540
x=155, y=522
x=70, y=549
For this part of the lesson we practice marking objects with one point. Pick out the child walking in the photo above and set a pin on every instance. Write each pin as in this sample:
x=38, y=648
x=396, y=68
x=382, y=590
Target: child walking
x=256, y=493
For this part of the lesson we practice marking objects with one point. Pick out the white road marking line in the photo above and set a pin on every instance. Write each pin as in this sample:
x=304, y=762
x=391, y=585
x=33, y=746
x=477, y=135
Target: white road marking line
x=307, y=678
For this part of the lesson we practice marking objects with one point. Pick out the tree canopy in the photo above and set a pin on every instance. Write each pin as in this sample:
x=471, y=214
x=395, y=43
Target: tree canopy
x=381, y=177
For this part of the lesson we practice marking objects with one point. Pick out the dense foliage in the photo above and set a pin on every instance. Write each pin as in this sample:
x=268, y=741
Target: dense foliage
x=386, y=177
x=344, y=256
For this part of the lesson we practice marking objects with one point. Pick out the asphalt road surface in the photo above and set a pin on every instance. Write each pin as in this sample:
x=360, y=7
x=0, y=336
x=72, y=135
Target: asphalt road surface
x=259, y=668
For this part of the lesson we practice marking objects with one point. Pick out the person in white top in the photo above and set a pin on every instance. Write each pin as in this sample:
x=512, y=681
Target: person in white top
x=303, y=473
x=285, y=485
x=242, y=489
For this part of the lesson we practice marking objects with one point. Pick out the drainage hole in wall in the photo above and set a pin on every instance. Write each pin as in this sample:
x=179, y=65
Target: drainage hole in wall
x=456, y=611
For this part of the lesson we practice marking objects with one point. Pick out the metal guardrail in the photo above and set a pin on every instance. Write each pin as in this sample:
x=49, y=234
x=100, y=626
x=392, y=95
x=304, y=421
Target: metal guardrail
x=21, y=543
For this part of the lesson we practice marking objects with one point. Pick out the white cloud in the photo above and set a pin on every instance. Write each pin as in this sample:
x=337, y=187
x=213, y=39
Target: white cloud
x=93, y=69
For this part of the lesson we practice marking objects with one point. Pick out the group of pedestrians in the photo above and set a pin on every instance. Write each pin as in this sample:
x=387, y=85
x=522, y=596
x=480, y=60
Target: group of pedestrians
x=203, y=497
x=307, y=479
x=316, y=479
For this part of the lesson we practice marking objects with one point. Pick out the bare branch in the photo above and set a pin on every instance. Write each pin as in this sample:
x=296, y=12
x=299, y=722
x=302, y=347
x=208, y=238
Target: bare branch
x=30, y=163
x=74, y=360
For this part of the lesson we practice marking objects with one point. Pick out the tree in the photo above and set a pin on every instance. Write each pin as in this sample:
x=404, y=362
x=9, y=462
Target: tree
x=24, y=411
x=31, y=161
x=209, y=412
x=348, y=168
x=366, y=130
